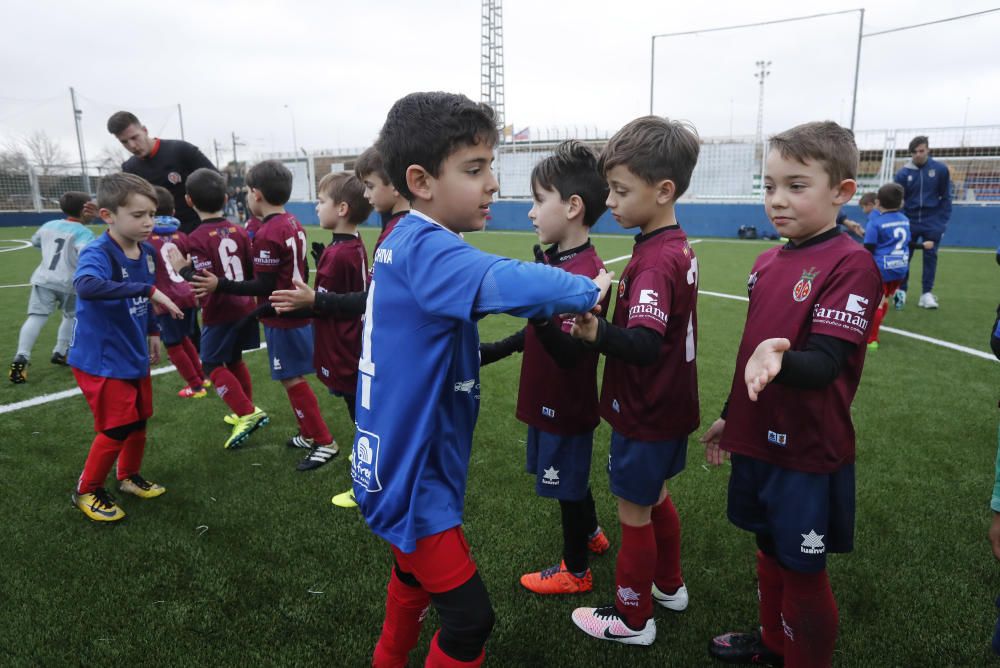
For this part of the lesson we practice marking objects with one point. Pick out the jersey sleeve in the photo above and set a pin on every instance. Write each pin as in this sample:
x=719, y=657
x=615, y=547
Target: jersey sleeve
x=81, y=237
x=196, y=159
x=847, y=301
x=36, y=238
x=652, y=296
x=445, y=274
x=93, y=262
x=871, y=232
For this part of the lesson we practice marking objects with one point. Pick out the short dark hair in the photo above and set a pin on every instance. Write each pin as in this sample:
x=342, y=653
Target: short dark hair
x=823, y=141
x=207, y=190
x=115, y=190
x=346, y=187
x=72, y=203
x=917, y=141
x=425, y=128
x=370, y=162
x=655, y=149
x=165, y=205
x=867, y=198
x=572, y=170
x=890, y=196
x=120, y=120
x=272, y=179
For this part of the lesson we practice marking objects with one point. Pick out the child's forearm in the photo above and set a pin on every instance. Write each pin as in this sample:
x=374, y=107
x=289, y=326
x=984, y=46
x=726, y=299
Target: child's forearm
x=496, y=351
x=340, y=305
x=634, y=345
x=260, y=286
x=92, y=287
x=817, y=366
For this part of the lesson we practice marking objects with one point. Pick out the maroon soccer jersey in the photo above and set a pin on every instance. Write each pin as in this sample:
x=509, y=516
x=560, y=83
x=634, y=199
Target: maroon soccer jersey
x=387, y=228
x=832, y=288
x=168, y=281
x=222, y=248
x=556, y=400
x=658, y=290
x=343, y=267
x=251, y=226
x=279, y=248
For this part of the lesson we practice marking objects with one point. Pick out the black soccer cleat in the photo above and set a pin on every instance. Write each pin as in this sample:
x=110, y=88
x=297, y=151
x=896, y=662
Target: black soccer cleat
x=743, y=648
x=18, y=370
x=58, y=358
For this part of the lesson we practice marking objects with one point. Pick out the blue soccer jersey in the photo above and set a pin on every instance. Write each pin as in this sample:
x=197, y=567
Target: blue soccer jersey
x=418, y=381
x=890, y=232
x=109, y=339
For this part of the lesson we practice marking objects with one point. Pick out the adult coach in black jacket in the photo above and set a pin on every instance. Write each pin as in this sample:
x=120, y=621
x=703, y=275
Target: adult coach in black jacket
x=162, y=162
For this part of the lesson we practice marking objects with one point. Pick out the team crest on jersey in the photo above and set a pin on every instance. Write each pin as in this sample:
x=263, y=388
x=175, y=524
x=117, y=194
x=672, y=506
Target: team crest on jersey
x=150, y=264
x=364, y=467
x=932, y=173
x=174, y=178
x=804, y=287
x=621, y=288
x=751, y=281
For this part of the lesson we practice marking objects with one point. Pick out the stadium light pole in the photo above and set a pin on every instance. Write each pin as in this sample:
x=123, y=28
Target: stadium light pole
x=857, y=60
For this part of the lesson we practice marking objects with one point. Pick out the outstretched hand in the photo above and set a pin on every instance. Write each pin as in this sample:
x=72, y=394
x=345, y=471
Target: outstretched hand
x=603, y=282
x=177, y=261
x=204, y=284
x=167, y=304
x=710, y=439
x=302, y=297
x=764, y=365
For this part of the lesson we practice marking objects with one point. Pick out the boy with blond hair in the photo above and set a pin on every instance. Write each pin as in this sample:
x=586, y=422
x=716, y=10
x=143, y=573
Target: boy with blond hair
x=787, y=421
x=650, y=390
x=110, y=353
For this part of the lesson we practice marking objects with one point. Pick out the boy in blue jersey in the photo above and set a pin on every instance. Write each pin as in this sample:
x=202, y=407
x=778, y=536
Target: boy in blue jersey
x=557, y=396
x=52, y=281
x=418, y=381
x=887, y=237
x=109, y=353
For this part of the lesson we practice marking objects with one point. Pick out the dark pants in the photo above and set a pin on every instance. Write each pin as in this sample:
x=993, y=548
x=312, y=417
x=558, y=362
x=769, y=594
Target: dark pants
x=919, y=235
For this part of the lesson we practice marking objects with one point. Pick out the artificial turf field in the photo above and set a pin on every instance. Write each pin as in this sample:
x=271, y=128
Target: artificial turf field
x=245, y=562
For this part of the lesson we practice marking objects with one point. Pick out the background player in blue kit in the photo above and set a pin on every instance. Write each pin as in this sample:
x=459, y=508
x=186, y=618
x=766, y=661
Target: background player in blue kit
x=887, y=237
x=52, y=281
x=418, y=384
x=110, y=354
x=557, y=394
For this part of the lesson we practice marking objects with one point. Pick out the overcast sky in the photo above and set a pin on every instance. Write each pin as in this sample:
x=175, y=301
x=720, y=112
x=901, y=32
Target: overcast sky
x=338, y=66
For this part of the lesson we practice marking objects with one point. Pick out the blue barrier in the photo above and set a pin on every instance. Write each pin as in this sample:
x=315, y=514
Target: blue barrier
x=972, y=226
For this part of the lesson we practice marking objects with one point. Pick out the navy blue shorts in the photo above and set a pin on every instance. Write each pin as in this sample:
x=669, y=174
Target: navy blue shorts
x=173, y=331
x=560, y=464
x=637, y=469
x=806, y=514
x=290, y=351
x=225, y=343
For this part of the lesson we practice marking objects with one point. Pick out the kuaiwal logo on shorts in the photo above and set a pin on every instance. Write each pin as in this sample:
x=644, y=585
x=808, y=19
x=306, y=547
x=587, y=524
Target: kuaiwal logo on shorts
x=551, y=476
x=812, y=543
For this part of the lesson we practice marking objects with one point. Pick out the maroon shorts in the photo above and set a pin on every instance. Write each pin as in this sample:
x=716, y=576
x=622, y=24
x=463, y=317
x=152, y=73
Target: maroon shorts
x=115, y=401
x=889, y=288
x=440, y=563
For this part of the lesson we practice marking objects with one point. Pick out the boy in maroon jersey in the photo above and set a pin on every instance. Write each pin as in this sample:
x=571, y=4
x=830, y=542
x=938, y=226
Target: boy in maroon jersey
x=558, y=389
x=279, y=256
x=384, y=198
x=222, y=248
x=176, y=334
x=342, y=268
x=787, y=421
x=650, y=390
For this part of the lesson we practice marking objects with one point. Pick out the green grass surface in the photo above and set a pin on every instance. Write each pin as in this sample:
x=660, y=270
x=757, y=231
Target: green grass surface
x=245, y=562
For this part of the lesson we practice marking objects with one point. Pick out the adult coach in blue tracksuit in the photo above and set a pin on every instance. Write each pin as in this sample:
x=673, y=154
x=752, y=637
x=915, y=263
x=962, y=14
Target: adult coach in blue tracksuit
x=927, y=203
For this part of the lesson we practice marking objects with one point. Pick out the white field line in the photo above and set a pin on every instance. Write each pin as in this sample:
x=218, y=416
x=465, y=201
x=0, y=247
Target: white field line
x=18, y=285
x=66, y=394
x=24, y=244
x=892, y=330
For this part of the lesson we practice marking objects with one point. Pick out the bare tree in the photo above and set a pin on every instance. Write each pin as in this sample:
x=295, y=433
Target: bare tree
x=13, y=158
x=45, y=153
x=110, y=159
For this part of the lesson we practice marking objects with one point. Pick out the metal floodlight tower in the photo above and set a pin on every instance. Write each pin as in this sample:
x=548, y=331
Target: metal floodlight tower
x=762, y=73
x=491, y=61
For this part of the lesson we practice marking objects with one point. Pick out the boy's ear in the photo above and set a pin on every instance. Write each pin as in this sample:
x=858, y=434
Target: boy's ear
x=419, y=181
x=343, y=210
x=574, y=206
x=845, y=191
x=106, y=215
x=187, y=199
x=665, y=191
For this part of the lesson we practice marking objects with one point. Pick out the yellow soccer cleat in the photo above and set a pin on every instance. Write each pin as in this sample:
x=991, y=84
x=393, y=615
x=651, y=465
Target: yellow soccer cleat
x=246, y=425
x=139, y=486
x=232, y=418
x=345, y=500
x=98, y=505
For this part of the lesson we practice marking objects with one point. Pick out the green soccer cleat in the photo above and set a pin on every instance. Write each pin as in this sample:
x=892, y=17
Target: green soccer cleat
x=345, y=500
x=246, y=425
x=232, y=418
